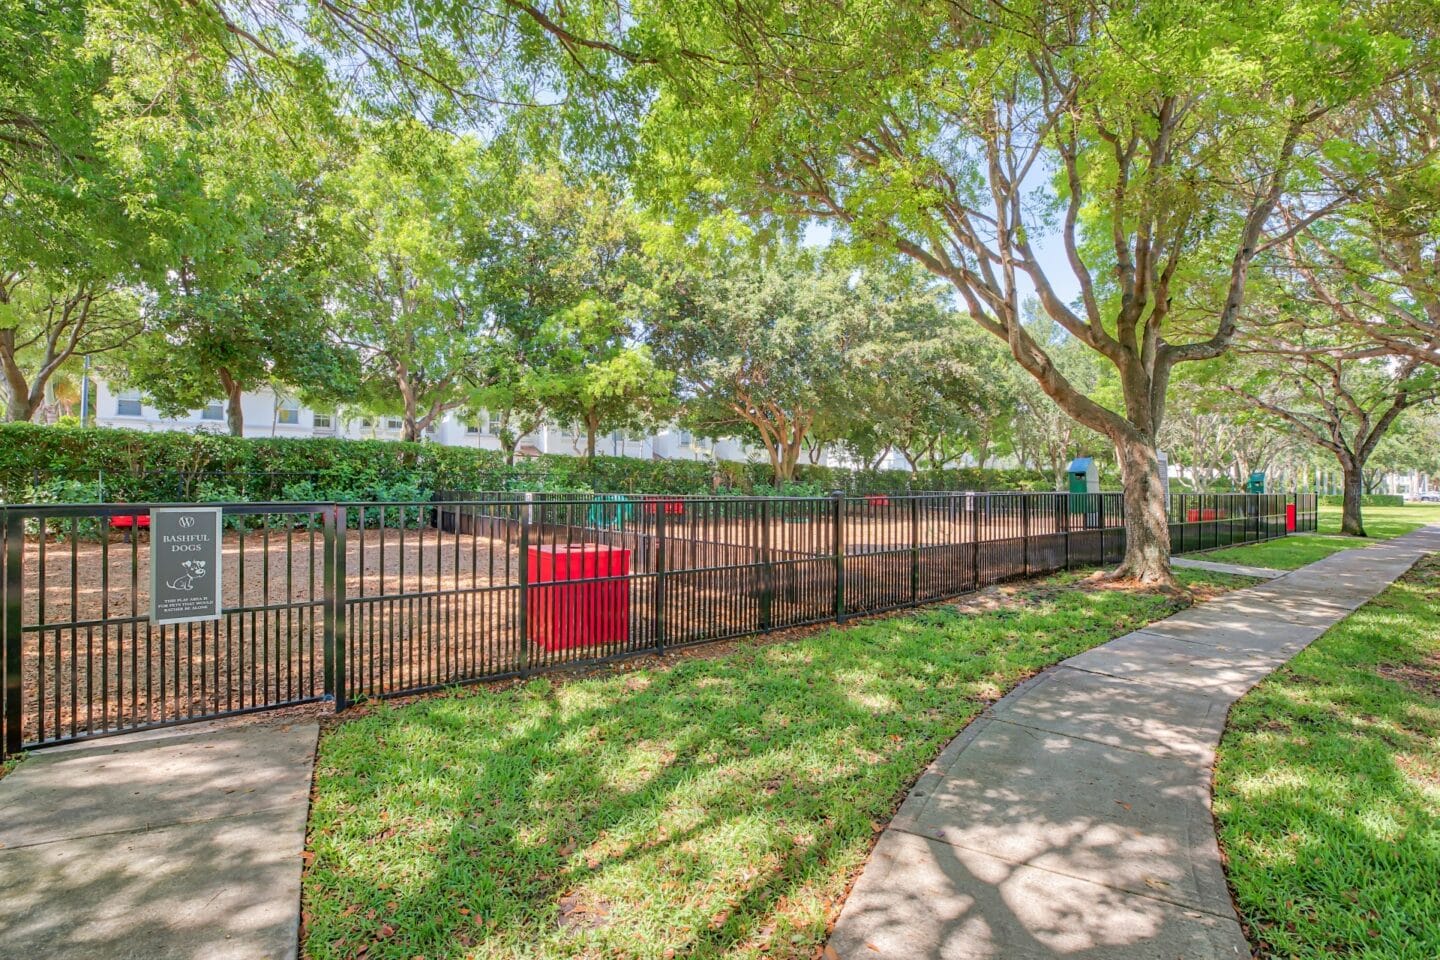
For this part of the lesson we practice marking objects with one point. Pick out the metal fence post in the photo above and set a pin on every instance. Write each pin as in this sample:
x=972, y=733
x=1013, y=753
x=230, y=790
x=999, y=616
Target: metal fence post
x=659, y=625
x=1025, y=532
x=974, y=499
x=336, y=676
x=327, y=650
x=914, y=548
x=522, y=619
x=14, y=584
x=837, y=499
x=1062, y=514
x=1101, y=519
x=767, y=570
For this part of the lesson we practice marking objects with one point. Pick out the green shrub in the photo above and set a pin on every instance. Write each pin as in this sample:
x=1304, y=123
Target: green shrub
x=1366, y=500
x=118, y=465
x=64, y=490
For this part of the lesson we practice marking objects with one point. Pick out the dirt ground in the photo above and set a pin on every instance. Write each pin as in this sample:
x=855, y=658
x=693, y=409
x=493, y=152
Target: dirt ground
x=428, y=607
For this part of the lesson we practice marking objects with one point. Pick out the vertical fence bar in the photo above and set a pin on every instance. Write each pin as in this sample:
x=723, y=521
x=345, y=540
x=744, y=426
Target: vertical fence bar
x=522, y=616
x=14, y=568
x=1062, y=514
x=327, y=648
x=767, y=570
x=1100, y=519
x=974, y=501
x=660, y=576
x=837, y=499
x=914, y=549
x=337, y=677
x=1025, y=532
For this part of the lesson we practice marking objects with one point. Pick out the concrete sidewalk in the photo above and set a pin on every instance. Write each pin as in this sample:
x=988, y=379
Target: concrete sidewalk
x=181, y=844
x=1239, y=569
x=1072, y=818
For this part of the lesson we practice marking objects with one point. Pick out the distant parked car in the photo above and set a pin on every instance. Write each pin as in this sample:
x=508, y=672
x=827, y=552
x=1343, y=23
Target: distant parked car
x=1430, y=496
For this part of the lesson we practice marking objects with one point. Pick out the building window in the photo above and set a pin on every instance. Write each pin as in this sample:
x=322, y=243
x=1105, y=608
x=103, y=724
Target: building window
x=393, y=423
x=288, y=412
x=213, y=410
x=367, y=422
x=324, y=421
x=686, y=438
x=483, y=423
x=127, y=403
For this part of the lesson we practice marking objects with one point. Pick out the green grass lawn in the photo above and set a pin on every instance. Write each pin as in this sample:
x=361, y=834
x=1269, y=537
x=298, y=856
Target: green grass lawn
x=1289, y=553
x=1327, y=789
x=712, y=806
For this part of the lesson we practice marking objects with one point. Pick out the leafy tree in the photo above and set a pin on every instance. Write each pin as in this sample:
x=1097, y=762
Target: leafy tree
x=66, y=237
x=1341, y=405
x=1212, y=445
x=765, y=348
x=599, y=377
x=515, y=409
x=1376, y=269
x=925, y=130
x=941, y=394
x=1045, y=435
x=243, y=302
x=409, y=295
x=577, y=284
x=1411, y=445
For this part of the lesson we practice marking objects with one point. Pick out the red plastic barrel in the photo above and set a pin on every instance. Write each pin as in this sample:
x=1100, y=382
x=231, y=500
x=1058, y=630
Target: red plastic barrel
x=1289, y=518
x=569, y=603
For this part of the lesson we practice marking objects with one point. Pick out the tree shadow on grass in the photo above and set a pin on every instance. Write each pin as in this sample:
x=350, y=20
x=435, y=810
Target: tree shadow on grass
x=1327, y=785
x=711, y=809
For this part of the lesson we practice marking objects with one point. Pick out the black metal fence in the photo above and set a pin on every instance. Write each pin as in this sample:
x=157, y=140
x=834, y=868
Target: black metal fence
x=345, y=601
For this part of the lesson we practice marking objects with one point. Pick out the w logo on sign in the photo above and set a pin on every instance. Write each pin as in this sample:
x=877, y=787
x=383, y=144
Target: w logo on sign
x=186, y=522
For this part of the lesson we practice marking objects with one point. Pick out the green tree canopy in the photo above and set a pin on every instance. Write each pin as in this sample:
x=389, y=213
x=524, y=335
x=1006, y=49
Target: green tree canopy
x=934, y=131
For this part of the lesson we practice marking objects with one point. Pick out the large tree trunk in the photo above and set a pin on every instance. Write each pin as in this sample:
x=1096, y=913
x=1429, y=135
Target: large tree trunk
x=1147, y=527
x=234, y=413
x=19, y=409
x=1351, y=522
x=592, y=427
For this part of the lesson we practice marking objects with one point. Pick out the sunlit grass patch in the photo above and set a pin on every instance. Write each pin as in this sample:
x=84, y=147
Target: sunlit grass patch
x=1293, y=552
x=712, y=807
x=1328, y=788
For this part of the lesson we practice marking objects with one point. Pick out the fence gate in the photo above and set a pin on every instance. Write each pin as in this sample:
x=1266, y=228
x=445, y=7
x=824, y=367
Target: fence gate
x=83, y=658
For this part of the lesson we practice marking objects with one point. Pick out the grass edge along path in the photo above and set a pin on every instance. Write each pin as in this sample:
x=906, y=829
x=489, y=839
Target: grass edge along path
x=712, y=806
x=1293, y=552
x=1327, y=787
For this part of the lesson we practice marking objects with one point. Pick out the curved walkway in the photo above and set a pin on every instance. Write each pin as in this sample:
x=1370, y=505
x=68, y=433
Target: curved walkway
x=1072, y=818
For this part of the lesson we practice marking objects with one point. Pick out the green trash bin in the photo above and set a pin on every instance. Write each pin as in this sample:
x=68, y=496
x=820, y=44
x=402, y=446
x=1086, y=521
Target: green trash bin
x=1084, y=479
x=1256, y=482
x=610, y=511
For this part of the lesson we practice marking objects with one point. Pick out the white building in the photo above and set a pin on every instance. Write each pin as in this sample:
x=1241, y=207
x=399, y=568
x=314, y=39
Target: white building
x=268, y=413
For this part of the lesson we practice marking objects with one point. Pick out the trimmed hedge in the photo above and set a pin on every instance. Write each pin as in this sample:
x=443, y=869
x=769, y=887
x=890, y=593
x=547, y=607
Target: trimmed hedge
x=1366, y=500
x=40, y=463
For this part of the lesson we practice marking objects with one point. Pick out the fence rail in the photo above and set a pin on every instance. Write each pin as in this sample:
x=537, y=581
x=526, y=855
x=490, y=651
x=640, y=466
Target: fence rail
x=346, y=601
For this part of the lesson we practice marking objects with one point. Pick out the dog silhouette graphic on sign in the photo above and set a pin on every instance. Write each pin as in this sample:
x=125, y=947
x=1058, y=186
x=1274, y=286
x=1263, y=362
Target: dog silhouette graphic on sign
x=194, y=570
